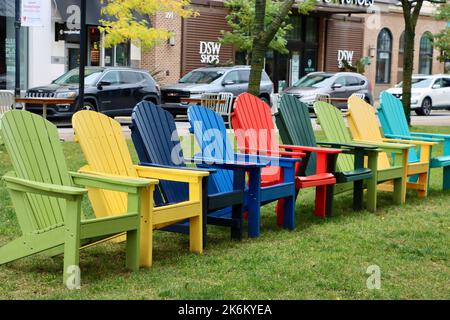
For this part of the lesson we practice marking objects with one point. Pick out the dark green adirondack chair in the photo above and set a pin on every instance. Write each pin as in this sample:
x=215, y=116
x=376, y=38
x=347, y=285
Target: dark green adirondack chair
x=294, y=123
x=47, y=199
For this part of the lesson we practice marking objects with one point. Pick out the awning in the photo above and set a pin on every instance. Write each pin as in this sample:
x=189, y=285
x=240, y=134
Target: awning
x=93, y=11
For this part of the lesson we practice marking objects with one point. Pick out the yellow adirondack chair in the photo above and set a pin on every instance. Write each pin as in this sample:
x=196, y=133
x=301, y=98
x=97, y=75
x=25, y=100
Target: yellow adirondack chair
x=364, y=128
x=105, y=149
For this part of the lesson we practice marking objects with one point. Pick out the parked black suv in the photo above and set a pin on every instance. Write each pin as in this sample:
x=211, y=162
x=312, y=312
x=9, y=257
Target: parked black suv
x=113, y=91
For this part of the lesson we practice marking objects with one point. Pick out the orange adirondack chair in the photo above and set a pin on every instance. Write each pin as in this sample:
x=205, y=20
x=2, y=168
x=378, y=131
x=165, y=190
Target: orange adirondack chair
x=256, y=134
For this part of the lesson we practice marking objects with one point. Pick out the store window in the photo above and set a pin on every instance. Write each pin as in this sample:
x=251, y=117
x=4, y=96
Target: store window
x=8, y=49
x=401, y=55
x=118, y=56
x=384, y=53
x=426, y=53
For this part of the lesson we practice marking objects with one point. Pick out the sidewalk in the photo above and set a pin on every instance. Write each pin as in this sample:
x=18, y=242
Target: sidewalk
x=437, y=118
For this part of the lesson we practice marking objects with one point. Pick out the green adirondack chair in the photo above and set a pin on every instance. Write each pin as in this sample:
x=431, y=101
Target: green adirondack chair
x=47, y=199
x=294, y=124
x=394, y=176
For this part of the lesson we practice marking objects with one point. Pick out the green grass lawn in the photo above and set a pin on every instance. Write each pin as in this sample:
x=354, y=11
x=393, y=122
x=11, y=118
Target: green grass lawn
x=319, y=260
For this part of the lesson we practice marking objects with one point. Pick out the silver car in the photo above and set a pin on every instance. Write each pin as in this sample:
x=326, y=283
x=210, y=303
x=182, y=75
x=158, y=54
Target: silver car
x=212, y=80
x=340, y=85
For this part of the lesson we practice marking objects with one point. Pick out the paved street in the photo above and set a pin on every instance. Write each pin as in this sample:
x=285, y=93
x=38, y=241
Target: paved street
x=437, y=118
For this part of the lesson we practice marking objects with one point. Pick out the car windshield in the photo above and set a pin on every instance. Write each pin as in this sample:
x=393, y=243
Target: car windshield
x=313, y=80
x=418, y=83
x=72, y=77
x=204, y=77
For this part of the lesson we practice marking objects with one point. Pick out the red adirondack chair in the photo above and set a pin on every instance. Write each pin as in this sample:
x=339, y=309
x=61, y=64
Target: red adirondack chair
x=255, y=132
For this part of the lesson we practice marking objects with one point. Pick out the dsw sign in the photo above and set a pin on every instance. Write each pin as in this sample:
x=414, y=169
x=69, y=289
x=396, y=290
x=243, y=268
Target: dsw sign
x=210, y=52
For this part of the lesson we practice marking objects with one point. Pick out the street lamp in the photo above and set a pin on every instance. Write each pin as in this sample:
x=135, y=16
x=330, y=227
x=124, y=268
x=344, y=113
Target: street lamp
x=83, y=53
x=17, y=23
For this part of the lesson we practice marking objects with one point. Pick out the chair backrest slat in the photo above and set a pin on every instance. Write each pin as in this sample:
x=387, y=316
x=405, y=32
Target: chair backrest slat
x=106, y=151
x=254, y=128
x=363, y=124
x=156, y=141
x=36, y=154
x=211, y=135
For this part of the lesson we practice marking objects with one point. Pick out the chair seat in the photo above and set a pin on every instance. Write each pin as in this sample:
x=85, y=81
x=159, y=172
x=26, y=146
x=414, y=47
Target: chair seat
x=438, y=162
x=354, y=175
x=315, y=180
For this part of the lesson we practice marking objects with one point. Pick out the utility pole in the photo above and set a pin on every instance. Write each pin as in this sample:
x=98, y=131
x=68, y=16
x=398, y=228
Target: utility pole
x=17, y=23
x=83, y=53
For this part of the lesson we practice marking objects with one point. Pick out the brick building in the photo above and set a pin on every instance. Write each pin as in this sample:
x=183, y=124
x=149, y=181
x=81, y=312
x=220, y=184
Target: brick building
x=319, y=41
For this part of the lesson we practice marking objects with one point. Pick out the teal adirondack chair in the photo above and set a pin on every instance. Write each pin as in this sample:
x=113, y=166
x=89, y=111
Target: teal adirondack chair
x=294, y=124
x=47, y=199
x=395, y=126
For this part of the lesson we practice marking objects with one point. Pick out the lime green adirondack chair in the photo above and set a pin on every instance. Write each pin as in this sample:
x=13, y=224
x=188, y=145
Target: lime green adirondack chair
x=47, y=199
x=332, y=122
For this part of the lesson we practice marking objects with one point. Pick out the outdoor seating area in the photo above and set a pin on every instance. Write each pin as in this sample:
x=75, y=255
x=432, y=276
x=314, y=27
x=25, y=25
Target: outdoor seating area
x=232, y=176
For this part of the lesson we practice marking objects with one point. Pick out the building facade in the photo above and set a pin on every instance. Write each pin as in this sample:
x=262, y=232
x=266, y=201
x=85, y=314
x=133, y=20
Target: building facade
x=335, y=31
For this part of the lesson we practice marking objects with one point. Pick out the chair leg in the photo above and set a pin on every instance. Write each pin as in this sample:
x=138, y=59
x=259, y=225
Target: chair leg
x=320, y=201
x=330, y=201
x=196, y=234
x=237, y=222
x=358, y=195
x=423, y=183
x=279, y=209
x=254, y=203
x=446, y=182
x=72, y=244
x=399, y=191
x=289, y=213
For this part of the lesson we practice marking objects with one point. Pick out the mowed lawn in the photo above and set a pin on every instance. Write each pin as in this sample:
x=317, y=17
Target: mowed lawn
x=319, y=260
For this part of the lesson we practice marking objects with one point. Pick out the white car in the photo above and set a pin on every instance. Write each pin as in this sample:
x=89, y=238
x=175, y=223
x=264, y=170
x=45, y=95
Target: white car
x=428, y=92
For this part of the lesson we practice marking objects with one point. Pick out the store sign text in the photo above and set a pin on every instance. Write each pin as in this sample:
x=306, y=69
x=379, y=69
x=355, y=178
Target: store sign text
x=210, y=52
x=346, y=55
x=363, y=3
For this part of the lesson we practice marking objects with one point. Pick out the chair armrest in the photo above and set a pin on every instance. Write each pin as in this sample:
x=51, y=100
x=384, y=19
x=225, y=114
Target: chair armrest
x=401, y=137
x=269, y=160
x=155, y=165
x=311, y=149
x=228, y=164
x=388, y=147
x=176, y=175
x=415, y=142
x=431, y=135
x=41, y=188
x=100, y=180
x=348, y=145
x=276, y=153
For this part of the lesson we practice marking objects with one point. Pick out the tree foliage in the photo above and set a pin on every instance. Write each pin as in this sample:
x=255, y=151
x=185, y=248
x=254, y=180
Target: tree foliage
x=442, y=39
x=123, y=25
x=241, y=20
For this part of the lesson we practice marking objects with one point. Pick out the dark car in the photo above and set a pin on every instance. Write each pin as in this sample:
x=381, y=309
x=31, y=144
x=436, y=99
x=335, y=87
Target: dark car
x=113, y=91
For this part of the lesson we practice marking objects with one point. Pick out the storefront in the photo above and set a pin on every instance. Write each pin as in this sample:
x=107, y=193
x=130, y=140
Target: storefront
x=8, y=48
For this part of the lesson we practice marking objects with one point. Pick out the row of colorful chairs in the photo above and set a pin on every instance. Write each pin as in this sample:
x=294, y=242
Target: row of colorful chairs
x=164, y=192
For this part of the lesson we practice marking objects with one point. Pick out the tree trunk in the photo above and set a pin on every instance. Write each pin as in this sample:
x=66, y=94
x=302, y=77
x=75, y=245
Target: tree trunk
x=410, y=16
x=262, y=39
x=408, y=64
x=259, y=48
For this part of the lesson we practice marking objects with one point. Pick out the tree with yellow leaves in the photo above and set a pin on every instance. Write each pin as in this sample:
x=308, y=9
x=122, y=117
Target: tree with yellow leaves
x=125, y=24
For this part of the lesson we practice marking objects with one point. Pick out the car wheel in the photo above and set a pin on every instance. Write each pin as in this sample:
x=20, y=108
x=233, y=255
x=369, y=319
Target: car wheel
x=425, y=109
x=88, y=105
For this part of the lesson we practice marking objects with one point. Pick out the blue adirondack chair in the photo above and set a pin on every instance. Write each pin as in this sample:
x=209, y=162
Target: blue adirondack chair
x=393, y=121
x=211, y=135
x=157, y=143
